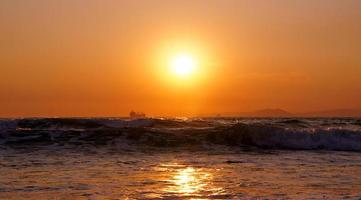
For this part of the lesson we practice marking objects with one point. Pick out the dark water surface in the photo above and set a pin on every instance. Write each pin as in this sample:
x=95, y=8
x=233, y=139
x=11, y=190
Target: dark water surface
x=70, y=174
x=180, y=159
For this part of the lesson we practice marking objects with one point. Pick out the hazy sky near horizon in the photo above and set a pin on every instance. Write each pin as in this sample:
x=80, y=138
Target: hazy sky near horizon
x=104, y=58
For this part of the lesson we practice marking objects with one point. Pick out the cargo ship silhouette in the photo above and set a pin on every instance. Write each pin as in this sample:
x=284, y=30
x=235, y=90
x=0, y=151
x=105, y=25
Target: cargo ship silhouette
x=136, y=115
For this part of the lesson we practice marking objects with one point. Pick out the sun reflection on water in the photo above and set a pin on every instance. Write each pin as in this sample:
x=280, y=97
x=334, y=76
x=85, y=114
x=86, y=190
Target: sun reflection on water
x=189, y=181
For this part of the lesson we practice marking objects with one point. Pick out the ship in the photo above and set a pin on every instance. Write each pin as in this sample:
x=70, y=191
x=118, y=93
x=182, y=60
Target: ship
x=136, y=115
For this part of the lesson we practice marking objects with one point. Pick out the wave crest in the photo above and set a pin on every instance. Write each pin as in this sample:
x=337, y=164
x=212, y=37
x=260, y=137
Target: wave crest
x=176, y=133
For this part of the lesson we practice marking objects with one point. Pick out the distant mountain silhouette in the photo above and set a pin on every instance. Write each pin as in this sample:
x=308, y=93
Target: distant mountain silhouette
x=283, y=113
x=334, y=113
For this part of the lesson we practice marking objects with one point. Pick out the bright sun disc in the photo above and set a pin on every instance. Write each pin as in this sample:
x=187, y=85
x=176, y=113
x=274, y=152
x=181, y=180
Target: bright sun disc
x=183, y=65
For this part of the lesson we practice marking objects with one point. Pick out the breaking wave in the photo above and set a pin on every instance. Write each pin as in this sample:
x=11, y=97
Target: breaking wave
x=293, y=134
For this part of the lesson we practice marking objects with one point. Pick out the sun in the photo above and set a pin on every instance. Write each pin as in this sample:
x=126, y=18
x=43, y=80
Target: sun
x=183, y=65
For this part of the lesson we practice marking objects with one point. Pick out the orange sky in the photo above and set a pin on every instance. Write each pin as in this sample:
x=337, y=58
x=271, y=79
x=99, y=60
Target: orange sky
x=104, y=58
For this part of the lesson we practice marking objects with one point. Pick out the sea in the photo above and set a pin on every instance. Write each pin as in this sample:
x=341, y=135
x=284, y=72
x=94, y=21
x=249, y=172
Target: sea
x=180, y=158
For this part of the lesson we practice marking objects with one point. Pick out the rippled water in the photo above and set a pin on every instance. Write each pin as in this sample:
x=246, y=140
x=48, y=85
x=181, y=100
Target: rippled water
x=214, y=158
x=90, y=173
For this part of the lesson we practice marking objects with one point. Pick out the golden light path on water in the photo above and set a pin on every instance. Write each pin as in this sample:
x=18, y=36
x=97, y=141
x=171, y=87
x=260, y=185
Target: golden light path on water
x=189, y=181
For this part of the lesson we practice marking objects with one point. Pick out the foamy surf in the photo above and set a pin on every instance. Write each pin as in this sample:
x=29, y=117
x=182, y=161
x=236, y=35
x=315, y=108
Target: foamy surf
x=292, y=134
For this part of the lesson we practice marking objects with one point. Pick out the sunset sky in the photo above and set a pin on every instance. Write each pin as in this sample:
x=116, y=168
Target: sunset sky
x=105, y=58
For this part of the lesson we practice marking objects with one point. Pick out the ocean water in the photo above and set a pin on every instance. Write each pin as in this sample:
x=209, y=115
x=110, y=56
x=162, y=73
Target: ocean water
x=203, y=158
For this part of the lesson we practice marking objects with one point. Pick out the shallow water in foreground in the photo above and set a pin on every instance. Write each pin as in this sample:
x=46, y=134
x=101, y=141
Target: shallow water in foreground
x=91, y=173
x=210, y=158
